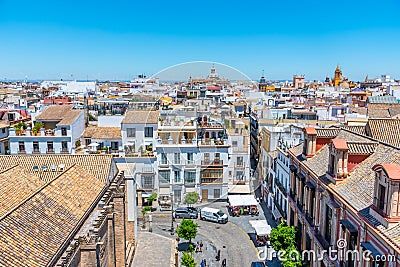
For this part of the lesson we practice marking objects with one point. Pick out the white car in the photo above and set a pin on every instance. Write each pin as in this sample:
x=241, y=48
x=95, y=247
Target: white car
x=214, y=215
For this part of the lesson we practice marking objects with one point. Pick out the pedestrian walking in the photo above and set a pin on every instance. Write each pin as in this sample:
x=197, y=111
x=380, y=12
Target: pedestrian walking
x=201, y=246
x=218, y=256
x=202, y=264
x=223, y=263
x=197, y=247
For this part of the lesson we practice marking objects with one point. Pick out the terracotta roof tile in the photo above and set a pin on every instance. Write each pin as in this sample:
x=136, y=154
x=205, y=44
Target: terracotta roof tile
x=385, y=130
x=33, y=233
x=340, y=144
x=141, y=117
x=310, y=131
x=393, y=170
x=102, y=132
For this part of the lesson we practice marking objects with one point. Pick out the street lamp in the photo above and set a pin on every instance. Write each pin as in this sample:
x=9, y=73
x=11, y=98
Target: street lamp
x=172, y=212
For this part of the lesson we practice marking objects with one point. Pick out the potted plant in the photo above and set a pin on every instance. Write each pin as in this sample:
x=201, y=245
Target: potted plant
x=17, y=128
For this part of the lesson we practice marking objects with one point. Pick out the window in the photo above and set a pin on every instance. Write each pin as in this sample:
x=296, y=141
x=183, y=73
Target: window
x=239, y=161
x=114, y=145
x=234, y=143
x=190, y=177
x=147, y=181
x=177, y=158
x=381, y=197
x=217, y=193
x=331, y=164
x=50, y=147
x=206, y=156
x=36, y=147
x=131, y=132
x=64, y=131
x=239, y=175
x=21, y=146
x=328, y=224
x=3, y=130
x=217, y=157
x=177, y=176
x=148, y=131
x=163, y=158
x=64, y=146
x=190, y=158
x=164, y=177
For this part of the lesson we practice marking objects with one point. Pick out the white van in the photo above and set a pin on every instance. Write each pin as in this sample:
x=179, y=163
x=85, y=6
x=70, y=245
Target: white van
x=214, y=215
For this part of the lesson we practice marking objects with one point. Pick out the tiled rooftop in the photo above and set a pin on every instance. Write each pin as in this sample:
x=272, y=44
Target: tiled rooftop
x=95, y=132
x=94, y=164
x=35, y=230
x=65, y=114
x=141, y=117
x=385, y=130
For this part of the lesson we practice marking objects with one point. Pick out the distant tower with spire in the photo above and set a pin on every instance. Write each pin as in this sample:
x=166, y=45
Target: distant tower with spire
x=338, y=76
x=262, y=85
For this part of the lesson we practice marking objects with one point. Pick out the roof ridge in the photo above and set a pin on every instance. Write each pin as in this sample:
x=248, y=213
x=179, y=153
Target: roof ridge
x=34, y=193
x=9, y=168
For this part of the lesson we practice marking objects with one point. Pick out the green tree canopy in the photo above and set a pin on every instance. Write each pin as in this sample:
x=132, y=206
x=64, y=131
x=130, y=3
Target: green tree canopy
x=187, y=229
x=187, y=260
x=152, y=197
x=283, y=238
x=191, y=198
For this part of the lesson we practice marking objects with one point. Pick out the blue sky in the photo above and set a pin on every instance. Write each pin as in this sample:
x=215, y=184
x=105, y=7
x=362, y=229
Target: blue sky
x=120, y=39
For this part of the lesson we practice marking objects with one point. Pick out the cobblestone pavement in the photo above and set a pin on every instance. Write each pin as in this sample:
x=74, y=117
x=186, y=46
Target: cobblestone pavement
x=153, y=250
x=233, y=239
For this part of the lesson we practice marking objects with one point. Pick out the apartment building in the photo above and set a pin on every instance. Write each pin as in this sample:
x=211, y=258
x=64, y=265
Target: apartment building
x=62, y=127
x=344, y=186
x=192, y=155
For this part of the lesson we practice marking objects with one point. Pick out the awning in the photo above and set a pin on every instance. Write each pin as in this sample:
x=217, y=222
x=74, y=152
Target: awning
x=190, y=189
x=242, y=200
x=276, y=214
x=301, y=176
x=375, y=253
x=239, y=189
x=261, y=227
x=93, y=144
x=164, y=191
x=292, y=167
x=310, y=185
x=348, y=225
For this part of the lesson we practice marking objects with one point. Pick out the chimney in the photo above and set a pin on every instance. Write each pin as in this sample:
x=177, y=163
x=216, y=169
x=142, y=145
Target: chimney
x=310, y=142
x=338, y=157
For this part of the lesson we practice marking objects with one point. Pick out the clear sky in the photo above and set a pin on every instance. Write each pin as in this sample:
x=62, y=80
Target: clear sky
x=120, y=39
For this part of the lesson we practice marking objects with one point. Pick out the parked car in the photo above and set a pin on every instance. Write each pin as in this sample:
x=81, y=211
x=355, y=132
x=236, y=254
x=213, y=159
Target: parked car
x=214, y=215
x=185, y=212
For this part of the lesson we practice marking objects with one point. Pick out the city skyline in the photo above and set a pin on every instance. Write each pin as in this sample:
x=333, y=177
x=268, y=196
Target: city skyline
x=92, y=40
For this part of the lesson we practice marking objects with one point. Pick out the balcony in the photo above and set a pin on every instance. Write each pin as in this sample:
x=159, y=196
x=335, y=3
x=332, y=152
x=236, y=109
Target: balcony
x=208, y=163
x=148, y=170
x=213, y=142
x=210, y=180
x=36, y=151
x=310, y=218
x=239, y=166
x=50, y=151
x=321, y=239
x=281, y=187
x=22, y=151
x=64, y=151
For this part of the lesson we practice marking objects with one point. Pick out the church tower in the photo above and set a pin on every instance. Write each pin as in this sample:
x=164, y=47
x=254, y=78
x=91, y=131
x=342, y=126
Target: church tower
x=338, y=76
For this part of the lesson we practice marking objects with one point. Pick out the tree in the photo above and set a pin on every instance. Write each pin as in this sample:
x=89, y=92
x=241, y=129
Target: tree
x=283, y=239
x=187, y=229
x=152, y=197
x=191, y=198
x=187, y=260
x=144, y=212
